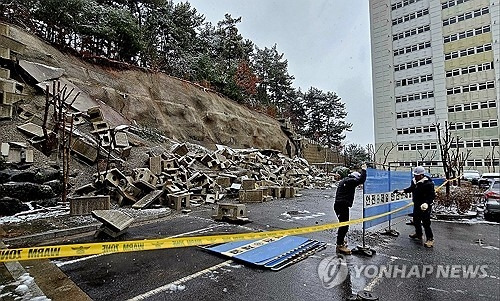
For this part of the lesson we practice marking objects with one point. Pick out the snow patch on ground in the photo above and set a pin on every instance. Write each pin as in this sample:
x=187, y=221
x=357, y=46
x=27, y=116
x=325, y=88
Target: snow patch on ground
x=19, y=289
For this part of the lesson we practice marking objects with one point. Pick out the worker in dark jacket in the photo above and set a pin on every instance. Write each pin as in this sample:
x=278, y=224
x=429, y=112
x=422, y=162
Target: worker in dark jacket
x=343, y=201
x=423, y=194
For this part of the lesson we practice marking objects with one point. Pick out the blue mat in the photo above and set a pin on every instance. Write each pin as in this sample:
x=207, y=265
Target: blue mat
x=273, y=253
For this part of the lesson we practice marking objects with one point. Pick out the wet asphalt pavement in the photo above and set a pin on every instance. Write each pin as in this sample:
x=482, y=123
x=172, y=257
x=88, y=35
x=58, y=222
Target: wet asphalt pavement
x=193, y=273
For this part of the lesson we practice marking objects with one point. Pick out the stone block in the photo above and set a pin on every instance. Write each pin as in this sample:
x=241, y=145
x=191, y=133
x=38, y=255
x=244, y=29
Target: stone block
x=251, y=196
x=179, y=201
x=84, y=205
x=148, y=199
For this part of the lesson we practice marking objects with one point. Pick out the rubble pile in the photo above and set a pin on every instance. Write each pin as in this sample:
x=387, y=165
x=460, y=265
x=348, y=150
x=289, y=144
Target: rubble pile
x=180, y=178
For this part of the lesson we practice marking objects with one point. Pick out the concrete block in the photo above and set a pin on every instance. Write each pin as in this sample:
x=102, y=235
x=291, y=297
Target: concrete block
x=100, y=126
x=29, y=156
x=13, y=45
x=4, y=29
x=95, y=114
x=224, y=182
x=169, y=164
x=4, y=53
x=145, y=174
x=85, y=189
x=125, y=152
x=4, y=73
x=121, y=140
x=155, y=165
x=180, y=149
x=230, y=212
x=251, y=196
x=84, y=149
x=115, y=178
x=12, y=98
x=148, y=199
x=5, y=149
x=235, y=186
x=289, y=192
x=105, y=138
x=84, y=205
x=130, y=192
x=179, y=201
x=5, y=111
x=248, y=184
x=15, y=155
x=171, y=188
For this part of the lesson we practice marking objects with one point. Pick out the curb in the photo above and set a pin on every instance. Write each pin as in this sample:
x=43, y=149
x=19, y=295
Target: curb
x=53, y=234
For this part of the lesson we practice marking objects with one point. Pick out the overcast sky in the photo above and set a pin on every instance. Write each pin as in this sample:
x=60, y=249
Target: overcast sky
x=326, y=43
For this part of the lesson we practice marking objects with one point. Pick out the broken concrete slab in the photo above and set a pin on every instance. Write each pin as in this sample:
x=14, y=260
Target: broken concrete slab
x=82, y=103
x=13, y=45
x=40, y=72
x=84, y=205
x=148, y=199
x=32, y=130
x=4, y=53
x=84, y=149
x=115, y=222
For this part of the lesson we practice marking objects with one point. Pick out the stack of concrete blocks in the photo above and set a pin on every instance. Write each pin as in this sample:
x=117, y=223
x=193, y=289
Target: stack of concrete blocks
x=249, y=193
x=84, y=205
x=9, y=92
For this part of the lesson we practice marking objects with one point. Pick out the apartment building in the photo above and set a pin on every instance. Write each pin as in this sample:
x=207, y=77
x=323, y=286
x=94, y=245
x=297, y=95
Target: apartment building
x=436, y=62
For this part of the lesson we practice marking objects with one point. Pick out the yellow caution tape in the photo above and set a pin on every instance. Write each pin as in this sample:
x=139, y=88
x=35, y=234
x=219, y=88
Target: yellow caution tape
x=163, y=243
x=444, y=183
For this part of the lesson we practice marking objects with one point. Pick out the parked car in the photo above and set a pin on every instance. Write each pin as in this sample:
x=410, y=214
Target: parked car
x=471, y=175
x=492, y=201
x=487, y=178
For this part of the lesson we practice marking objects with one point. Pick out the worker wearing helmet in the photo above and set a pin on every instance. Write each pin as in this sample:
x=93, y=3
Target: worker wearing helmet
x=344, y=198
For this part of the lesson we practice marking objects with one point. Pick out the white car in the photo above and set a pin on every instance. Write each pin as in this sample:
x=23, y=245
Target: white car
x=471, y=175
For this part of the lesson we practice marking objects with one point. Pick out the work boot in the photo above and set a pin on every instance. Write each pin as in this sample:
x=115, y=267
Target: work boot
x=343, y=249
x=415, y=236
x=429, y=243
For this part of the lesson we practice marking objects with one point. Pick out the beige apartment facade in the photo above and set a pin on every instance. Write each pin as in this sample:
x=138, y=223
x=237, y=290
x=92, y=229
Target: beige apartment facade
x=436, y=62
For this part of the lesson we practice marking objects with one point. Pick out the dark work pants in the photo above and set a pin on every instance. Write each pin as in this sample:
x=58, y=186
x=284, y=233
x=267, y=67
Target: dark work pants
x=423, y=218
x=342, y=212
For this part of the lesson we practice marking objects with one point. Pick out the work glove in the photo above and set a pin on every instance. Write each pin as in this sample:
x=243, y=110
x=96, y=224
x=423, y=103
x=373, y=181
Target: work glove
x=363, y=166
x=424, y=206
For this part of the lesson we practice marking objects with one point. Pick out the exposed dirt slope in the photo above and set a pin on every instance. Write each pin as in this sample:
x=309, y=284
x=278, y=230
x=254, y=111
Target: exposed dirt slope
x=178, y=109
